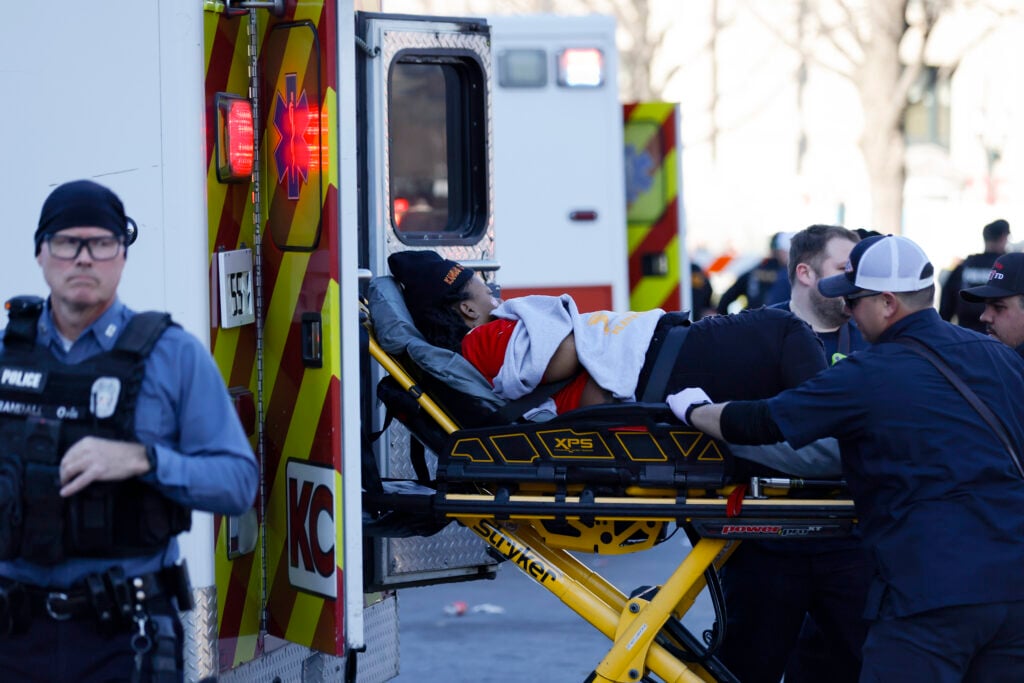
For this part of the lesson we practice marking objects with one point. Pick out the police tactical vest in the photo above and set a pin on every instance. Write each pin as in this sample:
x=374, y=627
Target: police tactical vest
x=45, y=407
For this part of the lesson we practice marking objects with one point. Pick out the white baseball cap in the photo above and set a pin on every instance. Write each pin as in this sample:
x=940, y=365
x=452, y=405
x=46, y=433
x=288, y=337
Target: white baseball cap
x=885, y=263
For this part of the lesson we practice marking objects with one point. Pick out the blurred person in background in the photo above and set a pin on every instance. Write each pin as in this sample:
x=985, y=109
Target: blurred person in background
x=700, y=288
x=766, y=283
x=973, y=272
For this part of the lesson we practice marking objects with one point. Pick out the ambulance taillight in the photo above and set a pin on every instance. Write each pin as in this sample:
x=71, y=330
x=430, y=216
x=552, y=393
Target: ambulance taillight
x=235, y=142
x=581, y=67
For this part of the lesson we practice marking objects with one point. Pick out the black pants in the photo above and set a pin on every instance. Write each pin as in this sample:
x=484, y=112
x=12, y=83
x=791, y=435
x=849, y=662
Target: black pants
x=78, y=650
x=767, y=596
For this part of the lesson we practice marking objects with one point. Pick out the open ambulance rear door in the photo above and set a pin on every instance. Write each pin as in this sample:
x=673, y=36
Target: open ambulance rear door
x=425, y=118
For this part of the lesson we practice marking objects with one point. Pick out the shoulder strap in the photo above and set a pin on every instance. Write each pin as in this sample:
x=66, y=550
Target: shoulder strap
x=661, y=371
x=844, y=339
x=142, y=332
x=513, y=410
x=972, y=398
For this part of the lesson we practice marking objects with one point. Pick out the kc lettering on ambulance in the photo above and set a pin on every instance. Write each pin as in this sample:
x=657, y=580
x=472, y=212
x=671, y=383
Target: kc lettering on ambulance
x=311, y=547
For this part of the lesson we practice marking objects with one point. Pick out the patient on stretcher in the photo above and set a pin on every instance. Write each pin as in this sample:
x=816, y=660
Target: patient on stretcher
x=523, y=343
x=599, y=357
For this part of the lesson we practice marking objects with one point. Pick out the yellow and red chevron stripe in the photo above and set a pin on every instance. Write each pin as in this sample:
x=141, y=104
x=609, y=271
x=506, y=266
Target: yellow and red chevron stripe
x=652, y=212
x=230, y=224
x=302, y=406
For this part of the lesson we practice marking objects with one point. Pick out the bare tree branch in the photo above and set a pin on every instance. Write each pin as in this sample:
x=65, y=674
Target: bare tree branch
x=851, y=19
x=666, y=79
x=800, y=49
x=829, y=32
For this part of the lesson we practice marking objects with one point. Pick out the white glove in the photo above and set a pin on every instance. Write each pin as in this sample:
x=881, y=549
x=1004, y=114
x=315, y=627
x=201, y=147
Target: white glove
x=681, y=402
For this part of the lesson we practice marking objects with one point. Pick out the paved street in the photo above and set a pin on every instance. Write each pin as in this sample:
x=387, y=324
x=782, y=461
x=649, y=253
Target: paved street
x=515, y=631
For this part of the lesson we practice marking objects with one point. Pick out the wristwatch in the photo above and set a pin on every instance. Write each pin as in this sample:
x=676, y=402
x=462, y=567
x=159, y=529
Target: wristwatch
x=151, y=458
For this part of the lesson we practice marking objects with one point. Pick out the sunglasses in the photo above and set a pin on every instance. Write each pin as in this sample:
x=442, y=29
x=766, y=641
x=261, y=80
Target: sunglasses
x=851, y=301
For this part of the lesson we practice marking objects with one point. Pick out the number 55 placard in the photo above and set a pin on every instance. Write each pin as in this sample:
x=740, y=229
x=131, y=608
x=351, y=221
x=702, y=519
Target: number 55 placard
x=236, y=287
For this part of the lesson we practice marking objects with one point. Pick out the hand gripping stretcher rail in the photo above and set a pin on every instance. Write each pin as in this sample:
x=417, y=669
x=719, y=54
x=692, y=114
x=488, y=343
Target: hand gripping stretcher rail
x=608, y=479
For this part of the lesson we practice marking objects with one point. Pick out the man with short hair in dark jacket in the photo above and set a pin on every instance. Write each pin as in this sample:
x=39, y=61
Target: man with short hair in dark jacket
x=973, y=272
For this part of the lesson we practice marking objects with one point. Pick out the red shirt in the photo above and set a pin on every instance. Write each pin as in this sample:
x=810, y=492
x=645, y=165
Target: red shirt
x=484, y=347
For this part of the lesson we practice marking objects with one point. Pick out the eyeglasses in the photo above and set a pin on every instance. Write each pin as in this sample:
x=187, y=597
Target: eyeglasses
x=67, y=248
x=851, y=301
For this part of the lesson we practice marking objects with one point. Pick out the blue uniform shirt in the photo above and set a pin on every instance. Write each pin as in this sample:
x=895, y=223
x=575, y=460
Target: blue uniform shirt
x=204, y=458
x=940, y=503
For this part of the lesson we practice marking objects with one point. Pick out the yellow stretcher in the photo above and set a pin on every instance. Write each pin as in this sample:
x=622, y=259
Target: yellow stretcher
x=608, y=480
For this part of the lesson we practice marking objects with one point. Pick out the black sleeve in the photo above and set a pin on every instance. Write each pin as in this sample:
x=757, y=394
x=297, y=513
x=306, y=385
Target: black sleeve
x=738, y=289
x=951, y=293
x=802, y=354
x=749, y=423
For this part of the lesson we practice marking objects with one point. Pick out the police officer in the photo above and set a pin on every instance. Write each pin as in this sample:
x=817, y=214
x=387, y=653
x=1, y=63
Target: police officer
x=939, y=497
x=1003, y=298
x=113, y=425
x=766, y=283
x=973, y=272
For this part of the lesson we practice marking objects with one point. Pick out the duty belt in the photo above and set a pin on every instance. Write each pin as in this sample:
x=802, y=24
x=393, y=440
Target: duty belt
x=110, y=597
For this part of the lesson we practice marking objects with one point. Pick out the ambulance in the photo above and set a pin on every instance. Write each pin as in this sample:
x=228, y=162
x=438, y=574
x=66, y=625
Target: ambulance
x=559, y=173
x=597, y=182
x=273, y=154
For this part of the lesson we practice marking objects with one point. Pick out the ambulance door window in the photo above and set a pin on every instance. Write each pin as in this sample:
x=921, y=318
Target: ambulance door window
x=437, y=149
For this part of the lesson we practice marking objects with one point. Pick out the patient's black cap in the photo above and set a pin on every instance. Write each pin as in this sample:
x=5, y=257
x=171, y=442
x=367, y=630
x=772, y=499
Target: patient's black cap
x=83, y=203
x=428, y=279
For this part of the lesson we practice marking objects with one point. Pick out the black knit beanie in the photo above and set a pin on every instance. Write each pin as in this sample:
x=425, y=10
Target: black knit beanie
x=83, y=203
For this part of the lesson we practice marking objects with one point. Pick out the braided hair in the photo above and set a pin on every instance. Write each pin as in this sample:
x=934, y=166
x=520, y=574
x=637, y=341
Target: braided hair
x=441, y=324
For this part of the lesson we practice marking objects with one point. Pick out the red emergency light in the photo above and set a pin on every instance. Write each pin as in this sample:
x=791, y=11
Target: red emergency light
x=235, y=141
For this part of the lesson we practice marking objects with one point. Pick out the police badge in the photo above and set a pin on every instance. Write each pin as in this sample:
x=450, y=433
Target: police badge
x=103, y=399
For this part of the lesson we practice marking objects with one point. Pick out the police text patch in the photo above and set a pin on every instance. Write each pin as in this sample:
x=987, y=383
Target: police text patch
x=22, y=379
